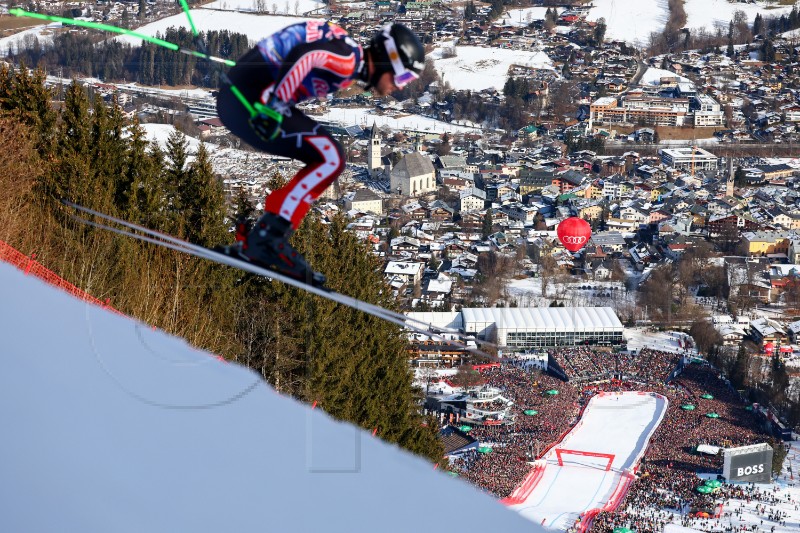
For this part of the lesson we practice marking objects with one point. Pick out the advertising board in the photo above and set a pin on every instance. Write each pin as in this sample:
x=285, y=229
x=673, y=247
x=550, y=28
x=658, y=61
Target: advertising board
x=748, y=463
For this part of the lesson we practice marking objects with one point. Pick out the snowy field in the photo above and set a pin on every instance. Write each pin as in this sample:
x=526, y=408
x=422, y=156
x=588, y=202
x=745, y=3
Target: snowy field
x=631, y=20
x=620, y=424
x=42, y=32
x=111, y=425
x=527, y=292
x=256, y=27
x=712, y=13
x=476, y=68
x=635, y=20
x=365, y=117
x=286, y=7
x=159, y=134
x=523, y=17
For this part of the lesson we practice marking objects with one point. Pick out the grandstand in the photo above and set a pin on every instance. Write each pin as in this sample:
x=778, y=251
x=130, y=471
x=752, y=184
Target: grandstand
x=534, y=327
x=538, y=327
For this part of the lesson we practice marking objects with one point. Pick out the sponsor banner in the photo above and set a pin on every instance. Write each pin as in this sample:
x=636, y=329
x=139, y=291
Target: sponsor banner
x=752, y=466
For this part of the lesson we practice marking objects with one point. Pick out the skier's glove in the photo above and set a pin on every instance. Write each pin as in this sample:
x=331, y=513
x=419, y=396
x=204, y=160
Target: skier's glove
x=267, y=123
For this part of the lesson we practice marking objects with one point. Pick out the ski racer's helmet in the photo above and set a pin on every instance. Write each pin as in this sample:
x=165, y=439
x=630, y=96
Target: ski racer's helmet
x=396, y=49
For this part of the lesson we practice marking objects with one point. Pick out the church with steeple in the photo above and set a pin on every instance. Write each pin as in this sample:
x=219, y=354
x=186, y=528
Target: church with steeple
x=376, y=164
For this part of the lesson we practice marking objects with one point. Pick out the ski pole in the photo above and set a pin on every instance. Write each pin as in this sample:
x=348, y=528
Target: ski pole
x=202, y=46
x=115, y=29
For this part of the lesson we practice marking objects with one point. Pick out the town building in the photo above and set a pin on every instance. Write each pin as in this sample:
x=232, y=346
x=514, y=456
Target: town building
x=519, y=328
x=639, y=109
x=413, y=175
x=364, y=201
x=766, y=242
x=689, y=158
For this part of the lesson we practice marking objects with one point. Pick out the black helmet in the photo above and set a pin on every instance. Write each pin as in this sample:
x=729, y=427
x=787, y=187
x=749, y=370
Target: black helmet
x=396, y=49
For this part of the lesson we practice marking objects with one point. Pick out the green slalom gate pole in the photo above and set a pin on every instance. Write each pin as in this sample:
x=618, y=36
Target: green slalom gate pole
x=235, y=90
x=107, y=27
x=185, y=7
x=154, y=40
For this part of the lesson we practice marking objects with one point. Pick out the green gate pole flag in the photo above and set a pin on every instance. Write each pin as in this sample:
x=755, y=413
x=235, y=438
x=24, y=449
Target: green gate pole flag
x=185, y=7
x=107, y=27
x=251, y=108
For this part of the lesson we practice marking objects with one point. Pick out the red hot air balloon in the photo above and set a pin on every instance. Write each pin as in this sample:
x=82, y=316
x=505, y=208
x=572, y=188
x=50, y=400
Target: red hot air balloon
x=574, y=233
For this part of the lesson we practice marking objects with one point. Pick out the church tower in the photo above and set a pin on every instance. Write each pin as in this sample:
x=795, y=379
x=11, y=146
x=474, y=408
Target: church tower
x=731, y=176
x=374, y=155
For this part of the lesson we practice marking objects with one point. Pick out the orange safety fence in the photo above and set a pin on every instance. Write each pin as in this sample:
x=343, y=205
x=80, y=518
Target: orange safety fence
x=31, y=267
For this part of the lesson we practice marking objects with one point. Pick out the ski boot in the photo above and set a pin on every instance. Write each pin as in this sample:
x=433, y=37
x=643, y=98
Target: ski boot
x=267, y=245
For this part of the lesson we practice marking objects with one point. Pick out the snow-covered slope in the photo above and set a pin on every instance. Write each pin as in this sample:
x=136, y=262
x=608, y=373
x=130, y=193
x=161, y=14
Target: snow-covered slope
x=109, y=425
x=476, y=68
x=256, y=27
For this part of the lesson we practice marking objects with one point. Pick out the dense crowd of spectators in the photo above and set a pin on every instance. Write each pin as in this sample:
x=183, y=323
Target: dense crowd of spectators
x=585, y=364
x=666, y=482
x=500, y=471
x=667, y=476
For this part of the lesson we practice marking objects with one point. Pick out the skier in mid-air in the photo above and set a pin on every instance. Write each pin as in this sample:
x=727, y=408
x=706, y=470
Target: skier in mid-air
x=302, y=61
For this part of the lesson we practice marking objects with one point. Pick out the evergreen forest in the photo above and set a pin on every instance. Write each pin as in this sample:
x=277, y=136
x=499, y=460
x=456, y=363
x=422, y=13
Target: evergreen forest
x=80, y=54
x=353, y=365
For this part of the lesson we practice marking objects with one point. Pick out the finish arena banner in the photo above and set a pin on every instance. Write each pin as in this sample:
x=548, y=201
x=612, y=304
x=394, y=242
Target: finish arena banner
x=748, y=463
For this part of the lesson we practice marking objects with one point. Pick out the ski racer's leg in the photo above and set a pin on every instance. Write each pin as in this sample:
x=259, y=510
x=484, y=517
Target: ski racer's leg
x=300, y=138
x=304, y=139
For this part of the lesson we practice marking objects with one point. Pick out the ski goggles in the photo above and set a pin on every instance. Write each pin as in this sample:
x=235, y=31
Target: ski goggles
x=402, y=76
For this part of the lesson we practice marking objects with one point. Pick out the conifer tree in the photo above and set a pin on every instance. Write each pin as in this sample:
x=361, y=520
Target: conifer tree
x=758, y=25
x=276, y=181
x=140, y=192
x=203, y=202
x=356, y=361
x=739, y=372
x=486, y=225
x=72, y=177
x=108, y=149
x=243, y=208
x=25, y=96
x=176, y=177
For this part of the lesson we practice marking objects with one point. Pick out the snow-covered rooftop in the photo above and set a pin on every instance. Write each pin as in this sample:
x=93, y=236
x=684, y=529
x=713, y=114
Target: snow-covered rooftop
x=545, y=318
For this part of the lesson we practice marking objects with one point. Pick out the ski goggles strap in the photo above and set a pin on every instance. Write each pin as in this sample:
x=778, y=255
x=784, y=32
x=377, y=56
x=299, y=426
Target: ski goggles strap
x=402, y=76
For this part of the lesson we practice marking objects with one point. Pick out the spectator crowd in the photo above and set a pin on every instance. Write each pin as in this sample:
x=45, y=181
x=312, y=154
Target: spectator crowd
x=667, y=476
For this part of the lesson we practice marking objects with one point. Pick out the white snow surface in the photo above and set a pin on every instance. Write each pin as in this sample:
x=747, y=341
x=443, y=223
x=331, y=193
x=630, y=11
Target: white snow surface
x=256, y=27
x=615, y=423
x=285, y=7
x=476, y=68
x=110, y=425
x=665, y=341
x=160, y=133
x=523, y=17
x=635, y=20
x=42, y=32
x=365, y=117
x=652, y=76
x=712, y=13
x=631, y=20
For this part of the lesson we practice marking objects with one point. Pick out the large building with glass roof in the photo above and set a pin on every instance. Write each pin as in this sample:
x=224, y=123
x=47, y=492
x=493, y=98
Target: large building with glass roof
x=534, y=327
